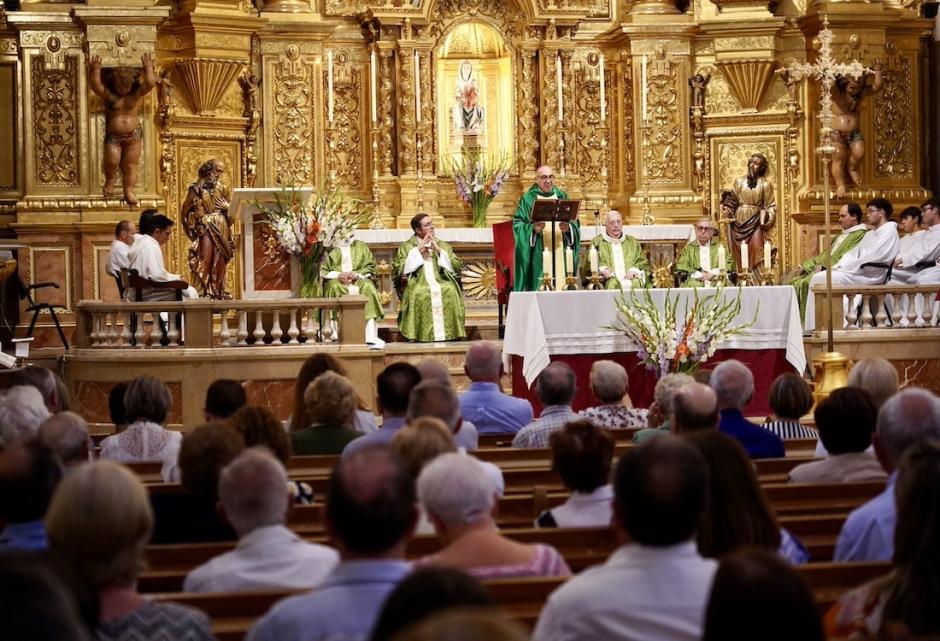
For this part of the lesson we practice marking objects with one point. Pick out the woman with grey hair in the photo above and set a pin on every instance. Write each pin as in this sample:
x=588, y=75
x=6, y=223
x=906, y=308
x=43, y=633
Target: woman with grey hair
x=147, y=402
x=609, y=385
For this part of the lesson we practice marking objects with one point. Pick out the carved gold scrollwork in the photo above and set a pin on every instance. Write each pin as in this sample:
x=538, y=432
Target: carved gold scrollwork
x=663, y=156
x=551, y=129
x=570, y=159
x=250, y=88
x=166, y=106
x=527, y=113
x=406, y=112
x=385, y=115
x=292, y=119
x=590, y=136
x=629, y=166
x=893, y=123
x=55, y=122
x=206, y=80
x=748, y=80
x=344, y=137
x=428, y=139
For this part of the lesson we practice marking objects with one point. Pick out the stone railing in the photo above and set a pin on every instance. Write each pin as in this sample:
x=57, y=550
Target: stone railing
x=209, y=323
x=895, y=307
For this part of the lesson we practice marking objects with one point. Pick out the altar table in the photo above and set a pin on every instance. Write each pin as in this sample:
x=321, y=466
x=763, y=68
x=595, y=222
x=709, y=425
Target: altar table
x=576, y=327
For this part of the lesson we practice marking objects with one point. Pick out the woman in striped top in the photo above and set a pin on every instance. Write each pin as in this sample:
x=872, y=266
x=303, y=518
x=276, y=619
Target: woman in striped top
x=790, y=398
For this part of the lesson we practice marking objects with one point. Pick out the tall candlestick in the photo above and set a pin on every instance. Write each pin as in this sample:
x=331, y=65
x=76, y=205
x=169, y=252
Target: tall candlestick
x=603, y=92
x=329, y=85
x=721, y=258
x=767, y=253
x=417, y=88
x=643, y=88
x=374, y=73
x=561, y=108
x=745, y=259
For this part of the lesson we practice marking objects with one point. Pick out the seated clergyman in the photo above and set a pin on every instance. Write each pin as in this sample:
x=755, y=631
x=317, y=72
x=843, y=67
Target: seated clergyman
x=620, y=259
x=348, y=270
x=431, y=302
x=703, y=259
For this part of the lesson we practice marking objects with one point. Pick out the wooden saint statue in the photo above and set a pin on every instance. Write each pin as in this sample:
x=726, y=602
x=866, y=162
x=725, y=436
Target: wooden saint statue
x=205, y=218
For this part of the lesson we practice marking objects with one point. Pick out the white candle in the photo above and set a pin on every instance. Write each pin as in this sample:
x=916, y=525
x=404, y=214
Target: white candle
x=643, y=88
x=745, y=259
x=593, y=259
x=546, y=263
x=417, y=88
x=603, y=93
x=569, y=261
x=374, y=82
x=767, y=251
x=561, y=108
x=721, y=258
x=329, y=85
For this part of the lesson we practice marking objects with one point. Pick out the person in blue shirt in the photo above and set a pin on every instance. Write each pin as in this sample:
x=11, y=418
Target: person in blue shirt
x=393, y=388
x=371, y=513
x=29, y=475
x=734, y=386
x=909, y=417
x=484, y=404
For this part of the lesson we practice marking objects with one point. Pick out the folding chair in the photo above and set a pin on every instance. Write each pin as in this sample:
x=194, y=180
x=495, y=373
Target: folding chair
x=26, y=293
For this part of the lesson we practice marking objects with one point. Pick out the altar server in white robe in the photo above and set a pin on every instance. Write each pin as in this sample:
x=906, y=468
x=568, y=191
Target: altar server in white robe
x=146, y=256
x=930, y=275
x=918, y=246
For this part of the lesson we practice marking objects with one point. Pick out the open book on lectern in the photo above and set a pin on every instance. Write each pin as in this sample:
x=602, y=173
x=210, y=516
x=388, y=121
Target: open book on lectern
x=555, y=211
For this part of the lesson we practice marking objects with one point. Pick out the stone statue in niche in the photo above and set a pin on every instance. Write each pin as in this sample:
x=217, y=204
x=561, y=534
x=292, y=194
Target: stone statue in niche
x=846, y=95
x=469, y=116
x=205, y=218
x=122, y=90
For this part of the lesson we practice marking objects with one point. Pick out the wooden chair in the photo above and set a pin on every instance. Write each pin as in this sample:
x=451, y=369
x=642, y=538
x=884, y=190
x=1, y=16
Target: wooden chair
x=131, y=280
x=26, y=293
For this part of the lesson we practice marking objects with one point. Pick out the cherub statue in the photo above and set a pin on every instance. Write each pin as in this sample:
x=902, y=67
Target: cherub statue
x=122, y=91
x=846, y=95
x=698, y=83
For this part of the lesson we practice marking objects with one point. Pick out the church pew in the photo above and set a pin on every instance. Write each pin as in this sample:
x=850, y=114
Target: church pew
x=233, y=614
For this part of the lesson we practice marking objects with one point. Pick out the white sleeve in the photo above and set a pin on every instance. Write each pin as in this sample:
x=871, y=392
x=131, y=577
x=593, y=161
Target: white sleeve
x=443, y=259
x=331, y=275
x=413, y=261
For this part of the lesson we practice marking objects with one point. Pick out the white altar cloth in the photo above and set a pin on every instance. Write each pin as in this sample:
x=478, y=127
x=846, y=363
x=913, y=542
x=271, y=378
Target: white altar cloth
x=484, y=235
x=540, y=324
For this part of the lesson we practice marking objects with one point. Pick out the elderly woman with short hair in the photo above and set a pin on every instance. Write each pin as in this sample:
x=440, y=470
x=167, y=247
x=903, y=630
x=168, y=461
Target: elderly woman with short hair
x=147, y=403
x=609, y=384
x=460, y=500
x=330, y=402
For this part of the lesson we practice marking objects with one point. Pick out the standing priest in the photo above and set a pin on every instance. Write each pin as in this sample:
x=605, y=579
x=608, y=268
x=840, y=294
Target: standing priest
x=620, y=259
x=348, y=270
x=533, y=238
x=431, y=305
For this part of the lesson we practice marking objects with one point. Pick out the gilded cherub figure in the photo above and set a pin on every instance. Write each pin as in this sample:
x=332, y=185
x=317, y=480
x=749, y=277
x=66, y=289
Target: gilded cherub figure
x=846, y=95
x=122, y=91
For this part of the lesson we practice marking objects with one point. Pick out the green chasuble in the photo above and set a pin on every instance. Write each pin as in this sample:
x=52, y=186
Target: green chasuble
x=527, y=276
x=841, y=245
x=358, y=259
x=431, y=306
x=619, y=258
x=689, y=261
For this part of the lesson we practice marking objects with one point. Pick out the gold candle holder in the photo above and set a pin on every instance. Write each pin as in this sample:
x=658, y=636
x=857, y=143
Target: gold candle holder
x=744, y=278
x=766, y=276
x=571, y=283
x=547, y=284
x=595, y=281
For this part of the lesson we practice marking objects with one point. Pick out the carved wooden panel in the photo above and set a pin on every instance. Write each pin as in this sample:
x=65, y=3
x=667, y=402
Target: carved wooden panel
x=9, y=146
x=55, y=111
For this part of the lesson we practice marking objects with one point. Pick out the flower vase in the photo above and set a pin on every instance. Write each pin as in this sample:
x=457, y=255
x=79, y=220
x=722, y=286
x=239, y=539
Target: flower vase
x=310, y=286
x=479, y=213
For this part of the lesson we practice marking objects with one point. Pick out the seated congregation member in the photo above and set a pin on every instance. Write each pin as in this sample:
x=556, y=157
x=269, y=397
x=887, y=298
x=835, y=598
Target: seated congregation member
x=694, y=408
x=191, y=516
x=224, y=397
x=755, y=595
x=620, y=259
x=850, y=219
x=790, y=398
x=877, y=376
x=313, y=367
x=116, y=412
x=659, y=415
x=29, y=475
x=48, y=383
x=739, y=515
x=22, y=411
x=555, y=388
x=582, y=454
x=425, y=592
x=100, y=521
x=484, y=403
x=147, y=403
x=433, y=370
x=348, y=270
x=734, y=386
x=146, y=256
x=331, y=408
x=419, y=443
x=463, y=624
x=66, y=434
x=909, y=417
x=254, y=498
x=431, y=306
x=370, y=515
x=609, y=385
x=845, y=421
x=903, y=604
x=460, y=501
x=438, y=400
x=699, y=263
x=393, y=388
x=260, y=428
x=654, y=587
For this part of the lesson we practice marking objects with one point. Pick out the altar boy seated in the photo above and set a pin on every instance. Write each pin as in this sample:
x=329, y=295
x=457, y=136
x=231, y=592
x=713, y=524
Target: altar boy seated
x=699, y=263
x=146, y=256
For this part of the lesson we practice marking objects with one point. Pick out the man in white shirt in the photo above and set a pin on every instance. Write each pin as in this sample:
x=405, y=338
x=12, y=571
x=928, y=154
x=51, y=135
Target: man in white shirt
x=124, y=233
x=920, y=249
x=146, y=256
x=254, y=498
x=655, y=586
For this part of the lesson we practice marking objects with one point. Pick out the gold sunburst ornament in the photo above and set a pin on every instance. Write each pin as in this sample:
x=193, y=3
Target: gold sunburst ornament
x=662, y=272
x=479, y=280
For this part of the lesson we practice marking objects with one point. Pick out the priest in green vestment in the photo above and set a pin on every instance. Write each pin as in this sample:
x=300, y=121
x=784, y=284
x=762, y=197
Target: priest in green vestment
x=703, y=259
x=348, y=270
x=618, y=258
x=431, y=305
x=532, y=239
x=853, y=230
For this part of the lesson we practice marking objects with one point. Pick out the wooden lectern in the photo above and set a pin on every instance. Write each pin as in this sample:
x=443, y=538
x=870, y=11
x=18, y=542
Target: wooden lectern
x=555, y=211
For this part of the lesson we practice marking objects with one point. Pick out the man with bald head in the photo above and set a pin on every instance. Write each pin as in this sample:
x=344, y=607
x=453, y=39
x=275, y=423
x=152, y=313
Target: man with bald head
x=699, y=261
x=370, y=514
x=733, y=384
x=555, y=388
x=533, y=238
x=694, y=407
x=484, y=402
x=620, y=259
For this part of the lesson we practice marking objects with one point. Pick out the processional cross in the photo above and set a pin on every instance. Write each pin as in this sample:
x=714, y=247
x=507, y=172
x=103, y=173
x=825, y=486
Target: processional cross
x=825, y=70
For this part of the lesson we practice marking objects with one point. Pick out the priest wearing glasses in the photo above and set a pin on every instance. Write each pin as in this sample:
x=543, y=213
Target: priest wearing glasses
x=620, y=261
